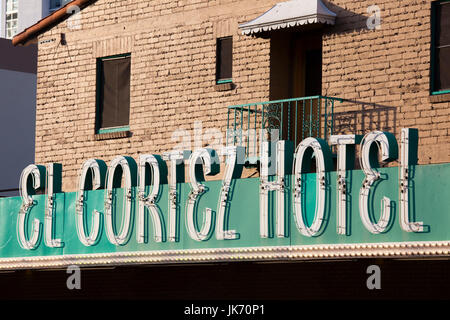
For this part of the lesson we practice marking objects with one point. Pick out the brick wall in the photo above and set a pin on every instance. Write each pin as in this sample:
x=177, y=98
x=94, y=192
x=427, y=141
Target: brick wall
x=389, y=70
x=172, y=45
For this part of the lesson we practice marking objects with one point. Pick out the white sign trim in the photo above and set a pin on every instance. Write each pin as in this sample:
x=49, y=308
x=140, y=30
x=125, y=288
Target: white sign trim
x=426, y=249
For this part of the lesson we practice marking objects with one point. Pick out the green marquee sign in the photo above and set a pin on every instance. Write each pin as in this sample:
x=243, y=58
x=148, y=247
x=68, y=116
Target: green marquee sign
x=144, y=212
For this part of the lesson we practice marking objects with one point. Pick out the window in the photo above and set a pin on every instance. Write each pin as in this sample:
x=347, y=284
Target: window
x=113, y=93
x=296, y=71
x=224, y=60
x=440, y=59
x=56, y=4
x=11, y=18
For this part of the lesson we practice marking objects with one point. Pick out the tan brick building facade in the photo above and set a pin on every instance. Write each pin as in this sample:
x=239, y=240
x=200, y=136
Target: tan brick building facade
x=384, y=73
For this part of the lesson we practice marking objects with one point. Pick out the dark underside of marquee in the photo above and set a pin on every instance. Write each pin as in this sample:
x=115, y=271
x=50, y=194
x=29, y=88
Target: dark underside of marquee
x=330, y=280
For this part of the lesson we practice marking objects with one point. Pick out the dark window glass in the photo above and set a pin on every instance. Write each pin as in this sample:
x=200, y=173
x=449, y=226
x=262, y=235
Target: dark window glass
x=55, y=4
x=313, y=73
x=442, y=75
x=113, y=92
x=443, y=24
x=224, y=58
x=441, y=50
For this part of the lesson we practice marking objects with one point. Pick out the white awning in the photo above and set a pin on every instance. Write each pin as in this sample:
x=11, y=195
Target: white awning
x=290, y=14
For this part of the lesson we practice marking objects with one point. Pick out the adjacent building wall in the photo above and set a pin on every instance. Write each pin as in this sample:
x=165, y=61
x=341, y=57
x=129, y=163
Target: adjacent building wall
x=2, y=19
x=17, y=113
x=172, y=45
x=30, y=12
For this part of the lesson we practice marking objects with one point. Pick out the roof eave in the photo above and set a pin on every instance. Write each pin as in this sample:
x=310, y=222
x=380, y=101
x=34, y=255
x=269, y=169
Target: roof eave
x=30, y=34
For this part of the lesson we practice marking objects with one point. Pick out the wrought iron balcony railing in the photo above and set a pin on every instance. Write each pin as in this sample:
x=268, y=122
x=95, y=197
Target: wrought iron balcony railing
x=290, y=119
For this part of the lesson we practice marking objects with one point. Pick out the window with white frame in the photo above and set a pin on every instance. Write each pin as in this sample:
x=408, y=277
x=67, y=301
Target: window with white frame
x=11, y=18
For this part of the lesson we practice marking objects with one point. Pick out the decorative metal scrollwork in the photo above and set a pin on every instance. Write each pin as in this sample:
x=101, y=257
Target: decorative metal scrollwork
x=272, y=120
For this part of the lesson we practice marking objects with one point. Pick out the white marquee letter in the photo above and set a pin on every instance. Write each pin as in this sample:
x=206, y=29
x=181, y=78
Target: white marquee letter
x=176, y=174
x=387, y=145
x=112, y=181
x=284, y=150
x=323, y=158
x=149, y=201
x=408, y=156
x=235, y=158
x=345, y=158
x=37, y=174
x=97, y=169
x=209, y=159
x=53, y=182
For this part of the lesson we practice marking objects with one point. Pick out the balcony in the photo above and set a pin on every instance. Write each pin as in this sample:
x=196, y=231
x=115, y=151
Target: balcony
x=291, y=119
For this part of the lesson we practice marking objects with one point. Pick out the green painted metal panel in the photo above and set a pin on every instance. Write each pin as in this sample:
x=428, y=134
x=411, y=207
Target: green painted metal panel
x=440, y=92
x=429, y=201
x=110, y=130
x=224, y=81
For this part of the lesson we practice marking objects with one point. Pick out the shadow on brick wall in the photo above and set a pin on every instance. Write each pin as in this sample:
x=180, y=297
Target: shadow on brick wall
x=346, y=21
x=365, y=117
